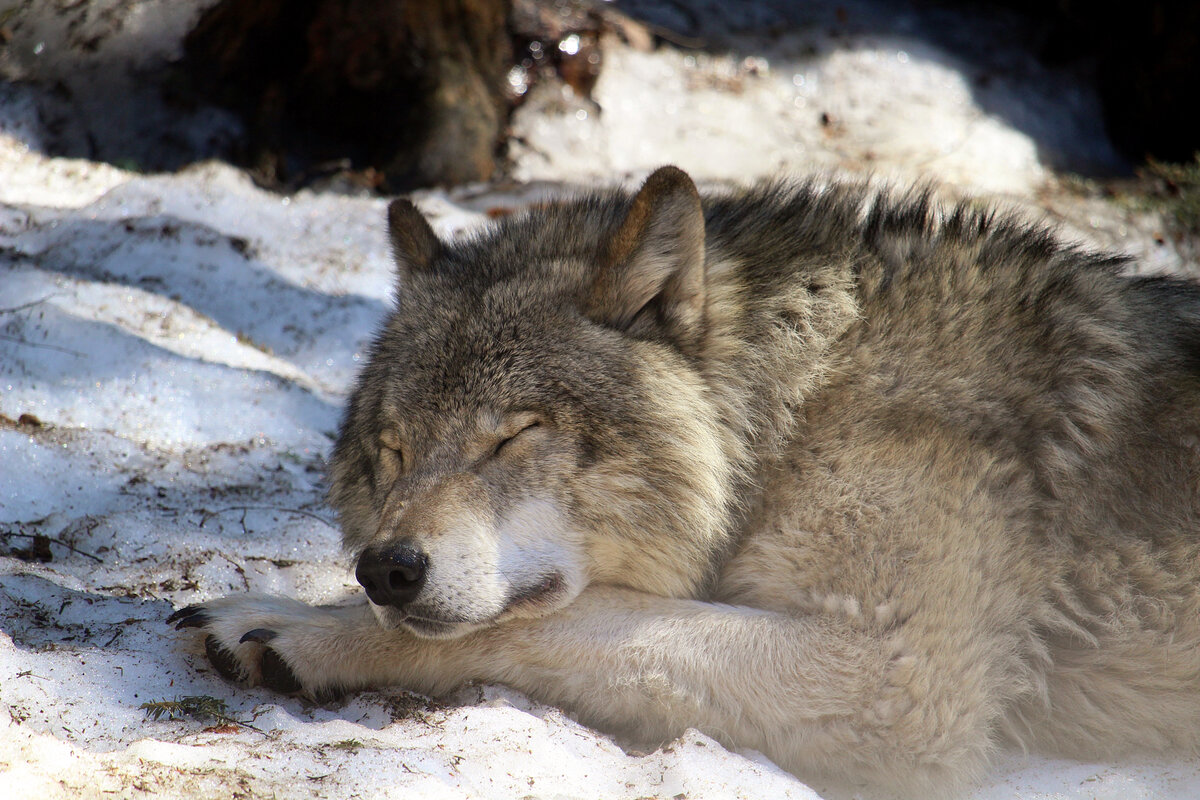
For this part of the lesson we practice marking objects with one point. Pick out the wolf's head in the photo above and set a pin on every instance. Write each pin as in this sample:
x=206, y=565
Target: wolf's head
x=533, y=415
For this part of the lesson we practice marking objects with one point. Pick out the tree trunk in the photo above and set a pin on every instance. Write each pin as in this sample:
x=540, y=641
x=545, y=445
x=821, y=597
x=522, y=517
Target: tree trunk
x=411, y=88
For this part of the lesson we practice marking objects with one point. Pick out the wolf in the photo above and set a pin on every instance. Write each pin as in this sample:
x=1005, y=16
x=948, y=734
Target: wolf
x=867, y=482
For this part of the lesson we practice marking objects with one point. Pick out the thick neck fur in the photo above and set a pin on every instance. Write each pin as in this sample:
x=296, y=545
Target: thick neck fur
x=781, y=292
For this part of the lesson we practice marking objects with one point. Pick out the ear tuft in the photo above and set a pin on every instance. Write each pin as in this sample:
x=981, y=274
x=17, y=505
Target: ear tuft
x=414, y=244
x=655, y=261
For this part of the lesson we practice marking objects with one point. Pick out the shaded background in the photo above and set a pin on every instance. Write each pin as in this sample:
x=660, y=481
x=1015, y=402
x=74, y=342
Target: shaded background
x=395, y=95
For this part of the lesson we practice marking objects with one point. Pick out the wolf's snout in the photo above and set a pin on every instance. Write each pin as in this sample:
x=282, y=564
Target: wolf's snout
x=392, y=575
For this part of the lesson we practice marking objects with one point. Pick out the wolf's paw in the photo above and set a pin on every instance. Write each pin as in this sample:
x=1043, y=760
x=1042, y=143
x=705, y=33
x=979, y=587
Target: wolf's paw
x=282, y=644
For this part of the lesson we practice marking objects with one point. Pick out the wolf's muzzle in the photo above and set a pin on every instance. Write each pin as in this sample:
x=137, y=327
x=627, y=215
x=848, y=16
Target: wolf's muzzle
x=392, y=575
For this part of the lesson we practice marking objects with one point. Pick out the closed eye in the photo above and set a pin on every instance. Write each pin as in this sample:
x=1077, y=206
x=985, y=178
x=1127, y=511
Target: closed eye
x=507, y=440
x=391, y=453
x=392, y=459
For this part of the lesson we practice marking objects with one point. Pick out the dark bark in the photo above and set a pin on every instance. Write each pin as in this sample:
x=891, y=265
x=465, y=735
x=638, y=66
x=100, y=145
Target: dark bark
x=409, y=90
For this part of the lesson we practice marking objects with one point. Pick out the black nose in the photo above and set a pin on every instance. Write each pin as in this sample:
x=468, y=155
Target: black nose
x=392, y=575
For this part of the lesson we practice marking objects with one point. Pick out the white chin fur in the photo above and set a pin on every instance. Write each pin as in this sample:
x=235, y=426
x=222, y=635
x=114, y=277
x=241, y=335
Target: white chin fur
x=394, y=620
x=479, y=574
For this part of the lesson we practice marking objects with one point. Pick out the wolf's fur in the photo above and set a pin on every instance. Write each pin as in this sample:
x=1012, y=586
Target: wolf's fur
x=863, y=483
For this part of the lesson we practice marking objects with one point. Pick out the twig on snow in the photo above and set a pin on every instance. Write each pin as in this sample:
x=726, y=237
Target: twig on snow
x=43, y=345
x=210, y=514
x=60, y=542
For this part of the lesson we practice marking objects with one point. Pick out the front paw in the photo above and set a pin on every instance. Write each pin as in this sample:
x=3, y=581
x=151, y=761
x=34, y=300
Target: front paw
x=275, y=642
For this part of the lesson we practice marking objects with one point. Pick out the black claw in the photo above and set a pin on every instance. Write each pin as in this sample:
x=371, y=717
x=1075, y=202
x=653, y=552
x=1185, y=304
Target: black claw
x=194, y=621
x=223, y=661
x=189, y=617
x=260, y=635
x=278, y=676
x=182, y=612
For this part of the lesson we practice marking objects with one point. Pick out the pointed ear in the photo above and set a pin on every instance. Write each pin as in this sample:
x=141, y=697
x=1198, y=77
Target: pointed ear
x=654, y=263
x=414, y=244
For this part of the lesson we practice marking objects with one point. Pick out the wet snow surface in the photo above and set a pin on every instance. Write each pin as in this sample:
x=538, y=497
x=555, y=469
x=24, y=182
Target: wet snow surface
x=175, y=349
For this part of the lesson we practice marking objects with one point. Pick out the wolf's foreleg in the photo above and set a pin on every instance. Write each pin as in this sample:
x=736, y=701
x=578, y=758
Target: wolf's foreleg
x=814, y=694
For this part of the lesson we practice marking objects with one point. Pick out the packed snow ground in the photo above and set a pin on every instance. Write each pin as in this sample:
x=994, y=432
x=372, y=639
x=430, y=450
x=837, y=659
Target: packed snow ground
x=174, y=351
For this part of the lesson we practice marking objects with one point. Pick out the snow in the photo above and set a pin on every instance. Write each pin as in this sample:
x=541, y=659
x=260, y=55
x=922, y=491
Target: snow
x=900, y=92
x=175, y=350
x=784, y=115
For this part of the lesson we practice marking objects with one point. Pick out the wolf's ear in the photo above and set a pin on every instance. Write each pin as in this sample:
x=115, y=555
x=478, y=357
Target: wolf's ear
x=414, y=244
x=654, y=263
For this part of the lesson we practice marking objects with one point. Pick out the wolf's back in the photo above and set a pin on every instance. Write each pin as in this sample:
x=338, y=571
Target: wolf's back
x=978, y=324
x=1171, y=314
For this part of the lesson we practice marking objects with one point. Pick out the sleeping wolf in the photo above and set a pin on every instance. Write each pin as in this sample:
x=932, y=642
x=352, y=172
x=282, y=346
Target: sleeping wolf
x=858, y=481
